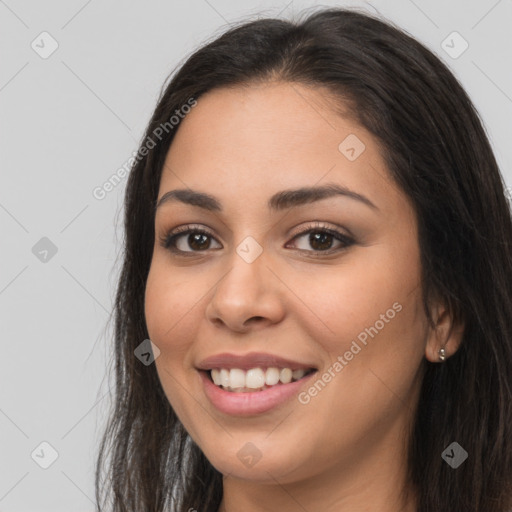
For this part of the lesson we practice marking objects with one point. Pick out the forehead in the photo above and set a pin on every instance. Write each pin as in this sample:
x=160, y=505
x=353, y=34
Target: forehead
x=262, y=138
x=279, y=119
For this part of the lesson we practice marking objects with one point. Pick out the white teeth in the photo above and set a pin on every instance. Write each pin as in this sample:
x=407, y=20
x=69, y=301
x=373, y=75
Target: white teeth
x=254, y=378
x=216, y=377
x=298, y=374
x=224, y=377
x=238, y=380
x=285, y=375
x=272, y=376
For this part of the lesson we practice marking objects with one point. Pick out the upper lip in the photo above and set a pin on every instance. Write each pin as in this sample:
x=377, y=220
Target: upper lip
x=250, y=360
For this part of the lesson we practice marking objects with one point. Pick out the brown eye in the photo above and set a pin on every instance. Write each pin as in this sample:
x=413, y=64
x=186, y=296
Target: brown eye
x=198, y=241
x=322, y=240
x=188, y=240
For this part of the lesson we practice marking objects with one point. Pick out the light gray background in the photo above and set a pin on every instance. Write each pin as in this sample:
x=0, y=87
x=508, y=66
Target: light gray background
x=68, y=122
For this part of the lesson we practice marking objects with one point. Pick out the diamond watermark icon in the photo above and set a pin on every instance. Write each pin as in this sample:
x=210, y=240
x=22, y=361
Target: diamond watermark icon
x=44, y=45
x=44, y=250
x=351, y=147
x=147, y=352
x=454, y=45
x=249, y=455
x=44, y=455
x=249, y=249
x=454, y=455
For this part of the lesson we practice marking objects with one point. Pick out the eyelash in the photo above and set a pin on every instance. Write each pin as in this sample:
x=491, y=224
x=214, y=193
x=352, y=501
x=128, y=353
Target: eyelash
x=168, y=240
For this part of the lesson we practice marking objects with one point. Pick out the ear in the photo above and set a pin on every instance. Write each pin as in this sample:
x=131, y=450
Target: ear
x=446, y=333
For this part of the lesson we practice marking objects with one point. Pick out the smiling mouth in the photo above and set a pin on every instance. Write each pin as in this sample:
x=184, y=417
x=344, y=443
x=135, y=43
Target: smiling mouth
x=237, y=380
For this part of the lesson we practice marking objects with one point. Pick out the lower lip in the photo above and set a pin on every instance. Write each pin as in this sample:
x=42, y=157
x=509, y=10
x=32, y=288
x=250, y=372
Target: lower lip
x=255, y=402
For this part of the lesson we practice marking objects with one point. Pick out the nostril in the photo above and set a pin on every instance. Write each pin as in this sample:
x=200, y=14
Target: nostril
x=253, y=319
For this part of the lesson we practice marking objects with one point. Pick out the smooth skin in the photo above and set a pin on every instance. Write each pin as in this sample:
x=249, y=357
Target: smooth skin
x=303, y=298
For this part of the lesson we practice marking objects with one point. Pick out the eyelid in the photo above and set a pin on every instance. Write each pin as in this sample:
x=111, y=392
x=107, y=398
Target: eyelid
x=320, y=225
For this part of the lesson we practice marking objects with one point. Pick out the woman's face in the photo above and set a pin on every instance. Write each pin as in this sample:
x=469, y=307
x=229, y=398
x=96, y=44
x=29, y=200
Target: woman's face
x=282, y=279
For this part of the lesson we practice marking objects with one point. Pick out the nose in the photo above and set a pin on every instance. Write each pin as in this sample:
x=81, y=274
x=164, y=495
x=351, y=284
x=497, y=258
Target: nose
x=248, y=296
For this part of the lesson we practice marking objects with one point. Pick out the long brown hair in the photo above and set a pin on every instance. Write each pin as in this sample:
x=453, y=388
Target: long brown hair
x=437, y=151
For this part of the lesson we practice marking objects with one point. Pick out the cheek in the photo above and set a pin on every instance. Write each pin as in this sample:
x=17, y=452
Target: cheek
x=369, y=295
x=171, y=306
x=169, y=311
x=376, y=326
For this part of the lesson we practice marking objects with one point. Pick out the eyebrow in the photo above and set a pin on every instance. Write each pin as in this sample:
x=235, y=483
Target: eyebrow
x=280, y=201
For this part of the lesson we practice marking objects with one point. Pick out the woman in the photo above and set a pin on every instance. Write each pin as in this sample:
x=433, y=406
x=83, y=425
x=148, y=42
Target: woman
x=318, y=246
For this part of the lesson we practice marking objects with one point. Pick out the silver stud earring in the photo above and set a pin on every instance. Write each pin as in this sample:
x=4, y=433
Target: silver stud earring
x=442, y=354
